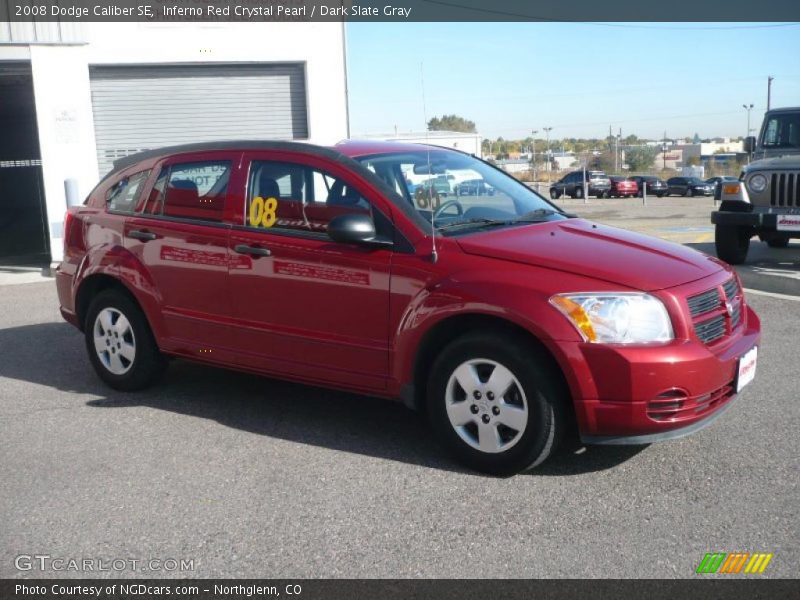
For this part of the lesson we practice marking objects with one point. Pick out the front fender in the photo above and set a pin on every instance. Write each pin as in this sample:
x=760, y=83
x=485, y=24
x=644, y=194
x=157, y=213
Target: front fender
x=499, y=293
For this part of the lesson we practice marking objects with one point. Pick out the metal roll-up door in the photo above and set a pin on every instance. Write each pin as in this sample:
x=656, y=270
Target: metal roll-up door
x=141, y=107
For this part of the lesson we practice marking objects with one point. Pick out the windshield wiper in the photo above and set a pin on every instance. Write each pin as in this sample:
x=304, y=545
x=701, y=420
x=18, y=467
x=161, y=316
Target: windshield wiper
x=476, y=221
x=540, y=215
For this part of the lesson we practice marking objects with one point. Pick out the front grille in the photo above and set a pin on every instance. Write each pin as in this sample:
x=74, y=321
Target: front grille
x=710, y=330
x=703, y=303
x=675, y=405
x=784, y=189
x=731, y=288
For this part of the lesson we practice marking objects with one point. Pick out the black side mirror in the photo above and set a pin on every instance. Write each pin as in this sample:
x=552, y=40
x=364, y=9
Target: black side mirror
x=749, y=144
x=354, y=229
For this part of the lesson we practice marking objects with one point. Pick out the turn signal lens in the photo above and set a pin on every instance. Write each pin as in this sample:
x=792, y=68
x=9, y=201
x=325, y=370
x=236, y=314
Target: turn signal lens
x=730, y=188
x=577, y=315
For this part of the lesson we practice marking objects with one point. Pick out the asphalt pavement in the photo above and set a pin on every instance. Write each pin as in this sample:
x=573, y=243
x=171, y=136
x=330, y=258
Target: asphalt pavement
x=251, y=477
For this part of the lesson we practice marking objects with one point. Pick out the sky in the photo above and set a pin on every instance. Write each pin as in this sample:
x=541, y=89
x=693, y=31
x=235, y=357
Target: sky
x=578, y=78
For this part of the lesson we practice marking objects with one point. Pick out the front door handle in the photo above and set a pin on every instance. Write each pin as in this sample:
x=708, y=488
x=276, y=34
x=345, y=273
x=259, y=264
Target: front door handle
x=144, y=236
x=252, y=250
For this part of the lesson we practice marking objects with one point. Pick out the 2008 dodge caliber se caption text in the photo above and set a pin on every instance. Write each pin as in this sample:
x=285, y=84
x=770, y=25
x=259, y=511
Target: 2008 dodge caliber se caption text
x=507, y=320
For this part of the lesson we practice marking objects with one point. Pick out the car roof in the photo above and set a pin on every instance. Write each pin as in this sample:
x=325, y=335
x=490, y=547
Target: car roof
x=349, y=148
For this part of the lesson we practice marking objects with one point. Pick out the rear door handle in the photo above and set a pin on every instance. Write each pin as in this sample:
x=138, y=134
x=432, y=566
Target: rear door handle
x=144, y=236
x=252, y=250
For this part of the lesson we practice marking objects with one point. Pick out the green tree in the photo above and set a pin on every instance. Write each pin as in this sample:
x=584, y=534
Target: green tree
x=640, y=158
x=451, y=123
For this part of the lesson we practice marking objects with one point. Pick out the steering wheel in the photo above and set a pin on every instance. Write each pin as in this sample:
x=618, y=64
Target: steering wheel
x=447, y=205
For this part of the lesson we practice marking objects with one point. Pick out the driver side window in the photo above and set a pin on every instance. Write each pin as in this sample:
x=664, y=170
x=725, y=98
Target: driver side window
x=290, y=196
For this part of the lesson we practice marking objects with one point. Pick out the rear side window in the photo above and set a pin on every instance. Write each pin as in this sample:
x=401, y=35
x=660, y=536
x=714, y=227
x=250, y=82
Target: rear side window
x=192, y=191
x=123, y=195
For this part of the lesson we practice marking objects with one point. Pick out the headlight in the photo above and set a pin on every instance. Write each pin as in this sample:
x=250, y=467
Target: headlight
x=621, y=318
x=757, y=183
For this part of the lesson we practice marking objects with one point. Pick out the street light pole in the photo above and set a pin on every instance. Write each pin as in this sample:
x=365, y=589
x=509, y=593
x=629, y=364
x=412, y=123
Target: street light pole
x=748, y=108
x=533, y=153
x=547, y=131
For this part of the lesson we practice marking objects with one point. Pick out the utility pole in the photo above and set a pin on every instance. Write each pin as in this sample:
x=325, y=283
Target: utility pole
x=664, y=149
x=533, y=153
x=769, y=92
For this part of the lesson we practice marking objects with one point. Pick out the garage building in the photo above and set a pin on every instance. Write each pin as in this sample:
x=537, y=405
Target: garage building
x=75, y=97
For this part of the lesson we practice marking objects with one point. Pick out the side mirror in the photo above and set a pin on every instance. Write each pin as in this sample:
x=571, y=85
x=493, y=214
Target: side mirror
x=354, y=229
x=749, y=144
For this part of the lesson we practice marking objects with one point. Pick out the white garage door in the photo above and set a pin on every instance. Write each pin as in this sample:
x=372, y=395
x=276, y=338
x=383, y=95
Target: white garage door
x=143, y=107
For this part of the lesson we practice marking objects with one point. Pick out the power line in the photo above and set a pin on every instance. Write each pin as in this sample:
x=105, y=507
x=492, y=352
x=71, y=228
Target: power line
x=535, y=18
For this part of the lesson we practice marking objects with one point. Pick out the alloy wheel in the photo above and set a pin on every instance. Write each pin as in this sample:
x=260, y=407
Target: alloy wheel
x=486, y=405
x=114, y=341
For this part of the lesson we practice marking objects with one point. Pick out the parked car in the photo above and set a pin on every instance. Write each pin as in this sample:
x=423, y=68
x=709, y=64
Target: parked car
x=765, y=203
x=654, y=186
x=514, y=321
x=440, y=184
x=622, y=187
x=717, y=181
x=474, y=187
x=688, y=186
x=572, y=185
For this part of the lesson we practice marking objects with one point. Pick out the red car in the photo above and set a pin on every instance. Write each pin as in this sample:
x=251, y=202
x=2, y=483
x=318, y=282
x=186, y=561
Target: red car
x=505, y=319
x=622, y=187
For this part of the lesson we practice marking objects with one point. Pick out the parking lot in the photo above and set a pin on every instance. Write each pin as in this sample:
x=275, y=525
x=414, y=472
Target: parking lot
x=247, y=476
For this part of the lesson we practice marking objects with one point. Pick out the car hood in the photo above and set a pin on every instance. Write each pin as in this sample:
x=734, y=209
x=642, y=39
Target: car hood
x=584, y=248
x=788, y=161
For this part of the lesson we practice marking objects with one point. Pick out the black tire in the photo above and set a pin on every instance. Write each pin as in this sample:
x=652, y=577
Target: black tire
x=660, y=195
x=545, y=396
x=554, y=195
x=148, y=363
x=578, y=193
x=732, y=243
x=689, y=193
x=778, y=242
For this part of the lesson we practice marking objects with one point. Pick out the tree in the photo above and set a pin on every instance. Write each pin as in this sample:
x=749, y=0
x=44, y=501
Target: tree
x=451, y=123
x=640, y=158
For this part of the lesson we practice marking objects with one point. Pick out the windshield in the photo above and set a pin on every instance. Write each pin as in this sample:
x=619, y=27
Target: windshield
x=459, y=192
x=782, y=131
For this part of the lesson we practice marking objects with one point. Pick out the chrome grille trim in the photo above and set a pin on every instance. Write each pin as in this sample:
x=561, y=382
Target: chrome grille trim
x=703, y=303
x=711, y=329
x=731, y=288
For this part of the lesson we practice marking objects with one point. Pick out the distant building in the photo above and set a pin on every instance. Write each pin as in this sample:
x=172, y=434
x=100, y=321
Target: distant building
x=466, y=142
x=514, y=165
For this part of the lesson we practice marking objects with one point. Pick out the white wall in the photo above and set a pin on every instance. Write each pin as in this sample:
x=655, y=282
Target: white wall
x=63, y=95
x=66, y=129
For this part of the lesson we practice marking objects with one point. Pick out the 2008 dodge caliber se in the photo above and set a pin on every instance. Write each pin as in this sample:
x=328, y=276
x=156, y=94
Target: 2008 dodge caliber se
x=506, y=319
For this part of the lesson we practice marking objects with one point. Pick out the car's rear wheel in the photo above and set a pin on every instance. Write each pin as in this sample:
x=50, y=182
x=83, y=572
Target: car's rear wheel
x=732, y=243
x=495, y=403
x=661, y=195
x=778, y=242
x=121, y=346
x=689, y=192
x=554, y=195
x=578, y=192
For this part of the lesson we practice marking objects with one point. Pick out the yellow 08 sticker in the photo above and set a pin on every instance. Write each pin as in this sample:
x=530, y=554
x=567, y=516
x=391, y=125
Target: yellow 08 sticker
x=262, y=212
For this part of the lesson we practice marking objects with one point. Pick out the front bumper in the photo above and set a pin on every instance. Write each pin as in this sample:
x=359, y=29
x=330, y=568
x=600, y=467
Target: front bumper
x=659, y=392
x=758, y=220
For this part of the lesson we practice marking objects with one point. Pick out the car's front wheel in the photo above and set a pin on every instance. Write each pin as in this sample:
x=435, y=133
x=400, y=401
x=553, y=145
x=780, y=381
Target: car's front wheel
x=495, y=403
x=554, y=195
x=121, y=346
